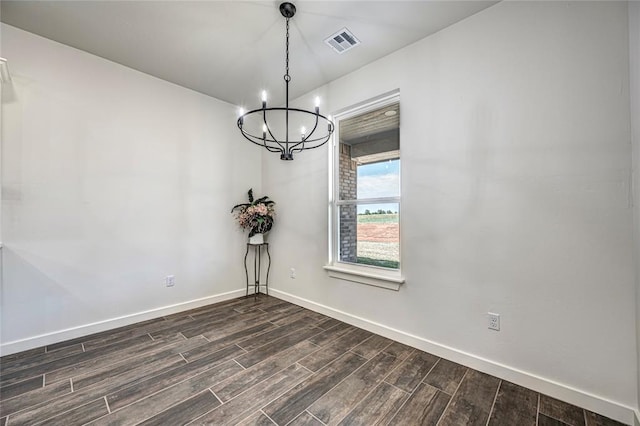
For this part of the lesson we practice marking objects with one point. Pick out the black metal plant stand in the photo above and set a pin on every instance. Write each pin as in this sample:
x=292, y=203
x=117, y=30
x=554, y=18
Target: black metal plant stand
x=257, y=265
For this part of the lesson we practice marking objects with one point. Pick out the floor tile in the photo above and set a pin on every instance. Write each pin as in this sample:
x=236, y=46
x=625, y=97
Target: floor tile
x=446, y=376
x=378, y=407
x=329, y=323
x=371, y=347
x=334, y=350
x=35, y=397
x=268, y=337
x=414, y=369
x=331, y=334
x=305, y=419
x=593, y=419
x=79, y=415
x=554, y=408
x=400, y=351
x=275, y=347
x=472, y=402
x=424, y=407
x=185, y=411
x=17, y=364
x=257, y=419
x=242, y=381
x=10, y=391
x=514, y=405
x=255, y=397
x=288, y=406
x=549, y=421
x=215, y=345
x=337, y=403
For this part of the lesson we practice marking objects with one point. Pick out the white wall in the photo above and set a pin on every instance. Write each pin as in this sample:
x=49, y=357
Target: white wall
x=111, y=179
x=634, y=74
x=515, y=183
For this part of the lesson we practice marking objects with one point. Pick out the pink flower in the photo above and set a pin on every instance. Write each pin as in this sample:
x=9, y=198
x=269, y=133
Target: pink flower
x=257, y=217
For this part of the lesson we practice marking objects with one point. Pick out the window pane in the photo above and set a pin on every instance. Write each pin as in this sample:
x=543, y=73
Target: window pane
x=380, y=179
x=369, y=154
x=370, y=234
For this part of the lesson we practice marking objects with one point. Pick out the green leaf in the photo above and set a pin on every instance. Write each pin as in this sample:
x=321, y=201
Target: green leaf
x=239, y=205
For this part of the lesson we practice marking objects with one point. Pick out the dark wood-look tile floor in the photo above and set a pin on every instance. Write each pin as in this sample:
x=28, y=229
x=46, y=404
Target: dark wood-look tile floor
x=259, y=361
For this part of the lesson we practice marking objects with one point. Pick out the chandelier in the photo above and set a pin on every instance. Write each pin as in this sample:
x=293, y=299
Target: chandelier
x=269, y=120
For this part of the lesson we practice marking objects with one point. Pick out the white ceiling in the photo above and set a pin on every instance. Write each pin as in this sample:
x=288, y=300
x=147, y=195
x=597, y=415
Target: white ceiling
x=234, y=49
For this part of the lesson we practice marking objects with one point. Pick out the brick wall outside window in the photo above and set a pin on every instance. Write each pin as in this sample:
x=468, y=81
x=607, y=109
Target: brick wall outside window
x=348, y=187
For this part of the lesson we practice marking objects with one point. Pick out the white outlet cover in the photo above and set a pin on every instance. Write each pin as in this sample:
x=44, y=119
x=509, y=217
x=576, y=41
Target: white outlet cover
x=493, y=321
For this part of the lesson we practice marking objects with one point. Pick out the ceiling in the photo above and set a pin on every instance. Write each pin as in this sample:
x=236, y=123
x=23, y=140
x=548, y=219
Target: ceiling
x=357, y=129
x=232, y=50
x=374, y=135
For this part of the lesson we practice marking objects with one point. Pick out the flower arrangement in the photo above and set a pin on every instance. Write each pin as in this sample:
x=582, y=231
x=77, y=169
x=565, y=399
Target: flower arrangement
x=256, y=215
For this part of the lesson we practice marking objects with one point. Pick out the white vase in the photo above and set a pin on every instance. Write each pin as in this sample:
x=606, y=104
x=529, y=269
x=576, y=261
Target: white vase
x=257, y=239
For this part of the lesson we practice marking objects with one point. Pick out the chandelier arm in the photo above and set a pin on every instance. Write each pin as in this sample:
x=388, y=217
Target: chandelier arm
x=312, y=141
x=265, y=146
x=273, y=149
x=315, y=126
x=253, y=139
x=294, y=148
x=304, y=139
x=260, y=142
x=315, y=143
x=308, y=141
x=313, y=146
x=295, y=145
x=264, y=120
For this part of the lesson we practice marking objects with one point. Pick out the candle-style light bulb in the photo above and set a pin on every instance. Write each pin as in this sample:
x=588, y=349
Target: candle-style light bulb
x=303, y=131
x=264, y=99
x=240, y=114
x=317, y=104
x=264, y=131
x=329, y=119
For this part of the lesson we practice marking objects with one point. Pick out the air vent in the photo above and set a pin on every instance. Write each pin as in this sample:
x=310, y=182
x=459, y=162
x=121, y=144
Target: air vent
x=342, y=41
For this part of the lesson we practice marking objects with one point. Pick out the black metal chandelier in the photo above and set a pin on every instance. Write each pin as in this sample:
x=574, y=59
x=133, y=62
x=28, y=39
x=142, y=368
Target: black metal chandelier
x=262, y=117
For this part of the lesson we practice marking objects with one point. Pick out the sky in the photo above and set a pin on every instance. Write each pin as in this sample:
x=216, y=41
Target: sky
x=379, y=180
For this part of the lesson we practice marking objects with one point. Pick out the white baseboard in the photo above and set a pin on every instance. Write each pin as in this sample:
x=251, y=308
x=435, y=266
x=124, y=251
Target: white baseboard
x=543, y=385
x=96, y=327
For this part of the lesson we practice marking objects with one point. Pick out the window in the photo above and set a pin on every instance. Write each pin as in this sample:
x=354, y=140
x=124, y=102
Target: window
x=365, y=199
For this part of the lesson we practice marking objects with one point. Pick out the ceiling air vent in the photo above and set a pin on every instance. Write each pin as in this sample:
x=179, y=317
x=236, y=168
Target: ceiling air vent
x=342, y=41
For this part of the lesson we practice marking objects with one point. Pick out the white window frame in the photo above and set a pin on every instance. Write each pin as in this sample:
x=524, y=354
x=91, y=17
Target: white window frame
x=377, y=276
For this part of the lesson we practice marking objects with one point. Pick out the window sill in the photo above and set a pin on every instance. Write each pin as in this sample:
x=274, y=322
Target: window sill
x=390, y=280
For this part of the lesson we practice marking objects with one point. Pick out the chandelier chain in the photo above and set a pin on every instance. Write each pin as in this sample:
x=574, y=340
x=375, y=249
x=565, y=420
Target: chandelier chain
x=287, y=77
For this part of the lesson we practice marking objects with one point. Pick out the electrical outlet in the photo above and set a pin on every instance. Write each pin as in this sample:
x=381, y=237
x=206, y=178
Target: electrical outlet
x=494, y=321
x=170, y=280
x=292, y=273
